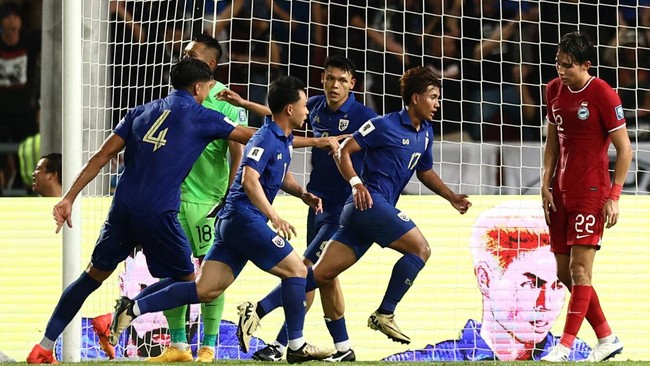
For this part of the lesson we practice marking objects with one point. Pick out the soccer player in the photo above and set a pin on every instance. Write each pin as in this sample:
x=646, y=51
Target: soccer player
x=396, y=145
x=204, y=187
x=584, y=114
x=162, y=139
x=47, y=176
x=335, y=113
x=242, y=233
x=522, y=296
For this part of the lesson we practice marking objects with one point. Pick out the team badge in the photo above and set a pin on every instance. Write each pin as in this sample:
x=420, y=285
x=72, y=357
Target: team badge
x=316, y=119
x=406, y=142
x=343, y=124
x=583, y=112
x=279, y=156
x=278, y=241
x=403, y=216
x=619, y=112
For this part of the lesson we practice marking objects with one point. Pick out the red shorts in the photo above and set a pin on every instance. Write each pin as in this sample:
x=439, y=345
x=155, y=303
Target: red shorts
x=576, y=222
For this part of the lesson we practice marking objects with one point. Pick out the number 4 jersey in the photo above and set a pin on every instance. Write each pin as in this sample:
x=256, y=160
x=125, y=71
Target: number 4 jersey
x=584, y=120
x=163, y=140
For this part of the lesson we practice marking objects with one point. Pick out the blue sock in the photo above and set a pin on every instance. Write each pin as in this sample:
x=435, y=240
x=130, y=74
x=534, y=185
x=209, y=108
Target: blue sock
x=283, y=336
x=311, y=280
x=155, y=287
x=404, y=273
x=293, y=301
x=179, y=293
x=272, y=301
x=338, y=330
x=69, y=304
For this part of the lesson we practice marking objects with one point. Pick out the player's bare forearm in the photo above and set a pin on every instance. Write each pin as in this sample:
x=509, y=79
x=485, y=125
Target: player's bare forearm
x=551, y=154
x=255, y=192
x=624, y=154
x=432, y=181
x=291, y=186
x=111, y=146
x=344, y=161
x=241, y=134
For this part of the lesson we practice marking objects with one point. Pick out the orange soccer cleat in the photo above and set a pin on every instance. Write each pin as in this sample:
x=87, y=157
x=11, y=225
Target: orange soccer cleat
x=41, y=355
x=101, y=326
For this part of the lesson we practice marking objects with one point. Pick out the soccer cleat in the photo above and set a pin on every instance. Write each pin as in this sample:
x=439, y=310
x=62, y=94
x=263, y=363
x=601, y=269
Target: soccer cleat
x=122, y=317
x=385, y=323
x=605, y=350
x=307, y=353
x=41, y=355
x=6, y=359
x=173, y=354
x=101, y=327
x=347, y=356
x=270, y=353
x=248, y=323
x=559, y=353
x=205, y=354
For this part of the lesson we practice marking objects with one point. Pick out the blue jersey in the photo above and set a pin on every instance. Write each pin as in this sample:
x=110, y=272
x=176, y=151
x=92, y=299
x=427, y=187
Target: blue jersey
x=163, y=139
x=471, y=347
x=325, y=180
x=269, y=153
x=394, y=151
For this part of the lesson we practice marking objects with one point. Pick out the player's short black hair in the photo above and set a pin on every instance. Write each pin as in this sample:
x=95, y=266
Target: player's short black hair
x=209, y=42
x=284, y=90
x=578, y=46
x=53, y=164
x=189, y=71
x=9, y=8
x=416, y=80
x=342, y=63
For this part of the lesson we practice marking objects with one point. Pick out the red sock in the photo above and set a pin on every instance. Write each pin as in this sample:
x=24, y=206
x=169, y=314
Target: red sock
x=596, y=318
x=578, y=305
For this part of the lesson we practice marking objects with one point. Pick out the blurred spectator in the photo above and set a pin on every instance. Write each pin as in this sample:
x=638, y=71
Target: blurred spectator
x=492, y=39
x=17, y=118
x=257, y=55
x=47, y=176
x=627, y=54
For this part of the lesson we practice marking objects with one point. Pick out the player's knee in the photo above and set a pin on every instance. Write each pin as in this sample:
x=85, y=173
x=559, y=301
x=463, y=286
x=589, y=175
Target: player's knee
x=422, y=250
x=323, y=278
x=297, y=271
x=209, y=295
x=579, y=274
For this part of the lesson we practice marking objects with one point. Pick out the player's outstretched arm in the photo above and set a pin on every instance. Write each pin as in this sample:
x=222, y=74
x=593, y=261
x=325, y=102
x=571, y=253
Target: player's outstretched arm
x=291, y=186
x=330, y=143
x=253, y=188
x=242, y=134
x=62, y=211
x=432, y=181
x=236, y=100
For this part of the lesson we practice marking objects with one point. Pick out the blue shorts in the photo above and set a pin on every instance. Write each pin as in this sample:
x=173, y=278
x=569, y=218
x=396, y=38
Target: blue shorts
x=240, y=238
x=320, y=229
x=161, y=237
x=382, y=224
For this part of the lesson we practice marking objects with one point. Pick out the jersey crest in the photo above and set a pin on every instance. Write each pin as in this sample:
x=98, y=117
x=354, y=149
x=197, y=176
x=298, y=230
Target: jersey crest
x=343, y=124
x=278, y=241
x=583, y=111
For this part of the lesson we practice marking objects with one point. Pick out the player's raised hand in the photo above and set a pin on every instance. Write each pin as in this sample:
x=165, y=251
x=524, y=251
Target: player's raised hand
x=62, y=213
x=460, y=202
x=547, y=204
x=283, y=228
x=312, y=201
x=611, y=213
x=362, y=198
x=331, y=143
x=231, y=97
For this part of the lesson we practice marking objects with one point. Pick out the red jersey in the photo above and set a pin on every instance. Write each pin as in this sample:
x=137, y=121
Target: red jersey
x=584, y=119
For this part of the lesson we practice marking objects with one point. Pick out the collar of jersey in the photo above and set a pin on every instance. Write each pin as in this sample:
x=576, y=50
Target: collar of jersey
x=406, y=120
x=271, y=125
x=182, y=94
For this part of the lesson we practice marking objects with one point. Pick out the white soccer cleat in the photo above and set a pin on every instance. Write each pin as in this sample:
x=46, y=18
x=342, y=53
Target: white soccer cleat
x=559, y=353
x=248, y=324
x=605, y=350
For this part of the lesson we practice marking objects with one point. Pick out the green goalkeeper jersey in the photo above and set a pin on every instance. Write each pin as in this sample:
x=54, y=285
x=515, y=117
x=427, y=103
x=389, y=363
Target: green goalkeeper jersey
x=207, y=182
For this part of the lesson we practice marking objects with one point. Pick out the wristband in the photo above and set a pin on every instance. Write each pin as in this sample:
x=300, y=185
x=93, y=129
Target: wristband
x=354, y=181
x=615, y=192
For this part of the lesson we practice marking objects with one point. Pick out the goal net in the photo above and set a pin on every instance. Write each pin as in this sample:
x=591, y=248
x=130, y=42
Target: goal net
x=494, y=59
